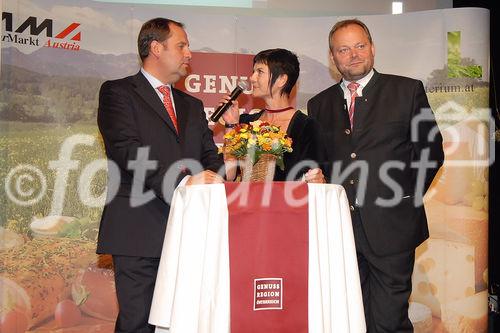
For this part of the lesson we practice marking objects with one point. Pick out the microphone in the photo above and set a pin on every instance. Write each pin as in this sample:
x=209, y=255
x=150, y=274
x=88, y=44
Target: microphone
x=242, y=85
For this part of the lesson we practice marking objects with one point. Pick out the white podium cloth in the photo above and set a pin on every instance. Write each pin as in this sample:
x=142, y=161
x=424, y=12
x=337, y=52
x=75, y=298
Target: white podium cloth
x=192, y=287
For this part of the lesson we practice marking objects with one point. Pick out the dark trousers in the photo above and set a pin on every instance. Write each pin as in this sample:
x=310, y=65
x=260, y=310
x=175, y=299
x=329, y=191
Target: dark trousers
x=135, y=281
x=385, y=284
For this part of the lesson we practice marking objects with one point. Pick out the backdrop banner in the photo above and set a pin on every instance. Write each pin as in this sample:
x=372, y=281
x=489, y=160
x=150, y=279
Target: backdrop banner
x=55, y=54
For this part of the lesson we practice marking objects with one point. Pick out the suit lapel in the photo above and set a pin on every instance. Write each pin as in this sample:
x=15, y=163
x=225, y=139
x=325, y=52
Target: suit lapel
x=365, y=112
x=144, y=89
x=371, y=83
x=340, y=103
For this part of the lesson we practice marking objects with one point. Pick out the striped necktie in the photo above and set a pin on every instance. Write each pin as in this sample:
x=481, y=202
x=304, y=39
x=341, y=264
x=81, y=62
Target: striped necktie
x=353, y=88
x=167, y=102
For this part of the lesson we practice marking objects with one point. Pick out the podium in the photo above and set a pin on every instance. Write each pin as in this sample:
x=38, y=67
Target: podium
x=192, y=292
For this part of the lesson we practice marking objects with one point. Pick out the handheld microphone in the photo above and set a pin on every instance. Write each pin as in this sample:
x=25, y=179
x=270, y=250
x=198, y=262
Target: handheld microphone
x=242, y=85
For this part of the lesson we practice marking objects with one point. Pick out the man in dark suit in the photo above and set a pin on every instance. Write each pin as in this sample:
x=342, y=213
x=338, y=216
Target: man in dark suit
x=384, y=147
x=155, y=136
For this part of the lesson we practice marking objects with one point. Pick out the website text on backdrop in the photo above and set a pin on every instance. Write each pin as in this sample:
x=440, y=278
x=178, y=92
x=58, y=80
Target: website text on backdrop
x=275, y=72
x=149, y=125
x=383, y=145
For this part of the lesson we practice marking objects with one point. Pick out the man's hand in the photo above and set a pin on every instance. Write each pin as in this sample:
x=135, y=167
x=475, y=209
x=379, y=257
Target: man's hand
x=205, y=177
x=314, y=176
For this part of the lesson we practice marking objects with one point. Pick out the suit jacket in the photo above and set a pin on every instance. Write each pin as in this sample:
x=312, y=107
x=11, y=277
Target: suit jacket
x=382, y=132
x=132, y=116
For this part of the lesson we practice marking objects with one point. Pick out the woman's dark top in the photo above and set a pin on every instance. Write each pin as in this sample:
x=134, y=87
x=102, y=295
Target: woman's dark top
x=304, y=132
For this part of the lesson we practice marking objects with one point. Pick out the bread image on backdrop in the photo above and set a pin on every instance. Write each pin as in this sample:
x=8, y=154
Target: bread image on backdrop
x=49, y=284
x=43, y=266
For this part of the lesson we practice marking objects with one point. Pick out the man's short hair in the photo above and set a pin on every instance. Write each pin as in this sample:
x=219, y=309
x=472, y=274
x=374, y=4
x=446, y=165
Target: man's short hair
x=345, y=23
x=157, y=29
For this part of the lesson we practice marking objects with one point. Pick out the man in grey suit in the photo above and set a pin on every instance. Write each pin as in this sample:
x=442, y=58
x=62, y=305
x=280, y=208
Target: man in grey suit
x=156, y=137
x=384, y=147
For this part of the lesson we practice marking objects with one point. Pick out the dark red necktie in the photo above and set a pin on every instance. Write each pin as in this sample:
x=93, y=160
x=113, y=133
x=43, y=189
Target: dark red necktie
x=167, y=102
x=353, y=88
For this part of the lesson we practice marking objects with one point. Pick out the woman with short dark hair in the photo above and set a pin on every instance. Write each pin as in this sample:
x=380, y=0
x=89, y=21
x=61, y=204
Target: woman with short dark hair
x=275, y=73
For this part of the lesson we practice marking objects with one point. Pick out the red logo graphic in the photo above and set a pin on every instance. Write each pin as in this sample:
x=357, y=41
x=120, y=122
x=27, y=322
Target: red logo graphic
x=67, y=39
x=70, y=28
x=268, y=294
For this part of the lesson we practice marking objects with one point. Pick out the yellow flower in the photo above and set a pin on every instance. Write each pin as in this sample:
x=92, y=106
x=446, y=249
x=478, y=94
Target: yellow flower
x=255, y=139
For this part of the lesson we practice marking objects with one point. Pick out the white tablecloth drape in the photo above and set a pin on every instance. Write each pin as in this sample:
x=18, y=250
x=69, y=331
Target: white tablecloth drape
x=192, y=287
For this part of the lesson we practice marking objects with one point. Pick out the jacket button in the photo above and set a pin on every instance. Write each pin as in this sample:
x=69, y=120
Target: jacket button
x=352, y=181
x=347, y=131
x=351, y=207
x=353, y=155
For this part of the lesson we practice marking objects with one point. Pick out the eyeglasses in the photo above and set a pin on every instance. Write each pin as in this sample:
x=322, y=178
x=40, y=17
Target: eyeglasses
x=343, y=51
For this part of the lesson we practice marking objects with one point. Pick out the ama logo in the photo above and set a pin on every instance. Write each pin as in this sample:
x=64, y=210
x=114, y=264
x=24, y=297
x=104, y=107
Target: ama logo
x=28, y=33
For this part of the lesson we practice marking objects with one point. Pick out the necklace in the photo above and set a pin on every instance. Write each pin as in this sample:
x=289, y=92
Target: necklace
x=279, y=110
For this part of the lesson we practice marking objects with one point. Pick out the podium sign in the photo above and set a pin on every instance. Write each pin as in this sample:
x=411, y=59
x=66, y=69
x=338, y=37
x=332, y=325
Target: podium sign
x=268, y=259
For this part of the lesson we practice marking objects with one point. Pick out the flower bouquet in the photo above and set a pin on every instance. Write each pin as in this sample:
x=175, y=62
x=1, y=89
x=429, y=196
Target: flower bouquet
x=259, y=146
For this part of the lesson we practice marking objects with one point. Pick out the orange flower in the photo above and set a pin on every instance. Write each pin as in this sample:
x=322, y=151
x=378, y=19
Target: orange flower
x=255, y=139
